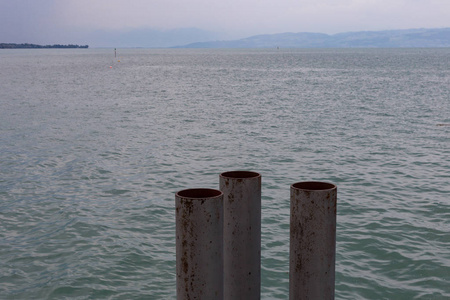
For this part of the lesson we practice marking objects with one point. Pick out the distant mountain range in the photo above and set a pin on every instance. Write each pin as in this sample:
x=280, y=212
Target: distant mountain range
x=146, y=37
x=410, y=38
x=198, y=38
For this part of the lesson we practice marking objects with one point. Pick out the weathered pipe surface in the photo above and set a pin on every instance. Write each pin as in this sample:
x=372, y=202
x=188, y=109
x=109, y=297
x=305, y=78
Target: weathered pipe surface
x=242, y=234
x=312, y=240
x=199, y=244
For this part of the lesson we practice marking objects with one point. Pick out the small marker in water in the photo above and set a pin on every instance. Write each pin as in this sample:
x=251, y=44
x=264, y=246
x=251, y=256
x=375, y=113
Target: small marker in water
x=110, y=67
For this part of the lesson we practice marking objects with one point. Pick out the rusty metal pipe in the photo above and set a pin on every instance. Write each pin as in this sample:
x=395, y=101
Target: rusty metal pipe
x=312, y=251
x=199, y=244
x=241, y=234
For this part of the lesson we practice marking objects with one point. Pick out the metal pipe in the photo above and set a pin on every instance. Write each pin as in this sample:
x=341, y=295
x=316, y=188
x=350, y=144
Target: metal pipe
x=312, y=240
x=241, y=234
x=199, y=244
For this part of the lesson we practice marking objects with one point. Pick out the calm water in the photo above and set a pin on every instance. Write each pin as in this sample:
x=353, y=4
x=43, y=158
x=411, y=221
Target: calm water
x=91, y=157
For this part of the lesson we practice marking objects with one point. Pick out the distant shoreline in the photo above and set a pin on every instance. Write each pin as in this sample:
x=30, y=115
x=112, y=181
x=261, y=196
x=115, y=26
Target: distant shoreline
x=34, y=46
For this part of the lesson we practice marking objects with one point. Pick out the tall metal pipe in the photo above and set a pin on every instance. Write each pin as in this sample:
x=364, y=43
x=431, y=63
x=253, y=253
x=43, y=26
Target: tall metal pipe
x=312, y=240
x=242, y=234
x=199, y=244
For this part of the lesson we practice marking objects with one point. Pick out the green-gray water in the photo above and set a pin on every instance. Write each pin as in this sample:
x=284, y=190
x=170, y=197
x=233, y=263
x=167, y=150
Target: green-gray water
x=91, y=156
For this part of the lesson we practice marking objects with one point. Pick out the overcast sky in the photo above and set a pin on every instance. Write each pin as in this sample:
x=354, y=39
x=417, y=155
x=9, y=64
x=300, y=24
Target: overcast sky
x=36, y=20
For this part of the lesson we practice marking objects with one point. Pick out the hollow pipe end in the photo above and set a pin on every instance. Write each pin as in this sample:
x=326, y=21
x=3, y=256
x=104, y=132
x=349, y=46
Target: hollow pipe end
x=240, y=174
x=313, y=186
x=199, y=193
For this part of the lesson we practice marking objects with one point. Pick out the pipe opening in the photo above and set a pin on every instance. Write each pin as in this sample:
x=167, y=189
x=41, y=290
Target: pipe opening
x=313, y=186
x=199, y=193
x=240, y=174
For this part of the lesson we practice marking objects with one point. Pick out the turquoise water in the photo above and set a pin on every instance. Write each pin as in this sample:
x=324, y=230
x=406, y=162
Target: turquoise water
x=92, y=151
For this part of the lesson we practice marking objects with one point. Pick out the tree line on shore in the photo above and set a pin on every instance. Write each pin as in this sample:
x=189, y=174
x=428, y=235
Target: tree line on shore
x=34, y=46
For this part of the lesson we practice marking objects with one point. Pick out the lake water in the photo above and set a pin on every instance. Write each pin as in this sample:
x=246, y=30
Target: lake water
x=93, y=149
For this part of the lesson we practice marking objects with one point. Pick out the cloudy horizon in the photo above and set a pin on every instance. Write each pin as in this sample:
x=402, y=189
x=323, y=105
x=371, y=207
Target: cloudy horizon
x=81, y=21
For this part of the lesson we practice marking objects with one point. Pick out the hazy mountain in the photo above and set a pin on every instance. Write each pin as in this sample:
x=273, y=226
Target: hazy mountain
x=198, y=38
x=145, y=38
x=375, y=39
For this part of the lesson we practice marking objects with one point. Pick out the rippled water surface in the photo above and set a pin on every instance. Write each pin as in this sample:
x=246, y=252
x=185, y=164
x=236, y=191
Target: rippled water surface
x=92, y=151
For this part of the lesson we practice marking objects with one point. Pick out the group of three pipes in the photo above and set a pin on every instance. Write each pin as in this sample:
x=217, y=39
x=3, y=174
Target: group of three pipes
x=218, y=239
